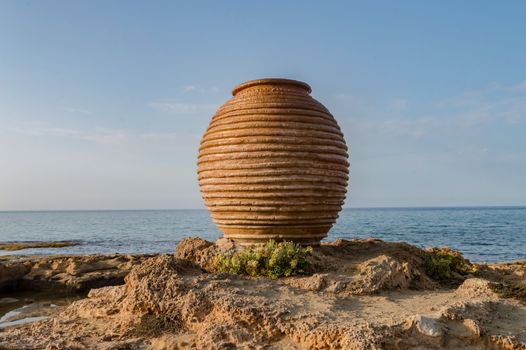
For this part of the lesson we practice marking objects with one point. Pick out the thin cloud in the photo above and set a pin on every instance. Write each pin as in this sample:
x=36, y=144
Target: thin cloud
x=76, y=110
x=519, y=87
x=200, y=89
x=398, y=104
x=187, y=88
x=42, y=131
x=176, y=107
x=414, y=128
x=492, y=104
x=111, y=137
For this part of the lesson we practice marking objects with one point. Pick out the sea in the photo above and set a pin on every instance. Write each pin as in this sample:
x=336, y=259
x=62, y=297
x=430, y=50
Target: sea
x=482, y=234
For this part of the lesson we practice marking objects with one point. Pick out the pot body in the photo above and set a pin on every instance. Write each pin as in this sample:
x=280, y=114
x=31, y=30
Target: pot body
x=273, y=164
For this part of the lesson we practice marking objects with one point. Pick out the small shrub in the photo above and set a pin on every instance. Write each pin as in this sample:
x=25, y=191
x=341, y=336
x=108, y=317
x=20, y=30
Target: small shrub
x=509, y=290
x=154, y=325
x=445, y=264
x=272, y=260
x=414, y=283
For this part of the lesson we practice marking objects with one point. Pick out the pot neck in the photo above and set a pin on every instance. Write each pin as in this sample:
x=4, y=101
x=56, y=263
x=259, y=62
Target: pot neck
x=273, y=83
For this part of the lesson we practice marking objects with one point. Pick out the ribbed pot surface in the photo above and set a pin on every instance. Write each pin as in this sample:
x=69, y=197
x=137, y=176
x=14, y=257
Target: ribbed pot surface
x=273, y=164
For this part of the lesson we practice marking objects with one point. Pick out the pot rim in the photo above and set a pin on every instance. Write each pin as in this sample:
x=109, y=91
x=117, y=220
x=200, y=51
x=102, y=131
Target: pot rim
x=273, y=81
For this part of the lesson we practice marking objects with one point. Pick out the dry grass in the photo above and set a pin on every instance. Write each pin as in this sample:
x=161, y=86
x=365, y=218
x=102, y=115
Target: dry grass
x=28, y=245
x=154, y=325
x=506, y=290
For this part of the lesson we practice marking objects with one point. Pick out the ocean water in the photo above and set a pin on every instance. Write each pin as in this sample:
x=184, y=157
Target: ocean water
x=481, y=234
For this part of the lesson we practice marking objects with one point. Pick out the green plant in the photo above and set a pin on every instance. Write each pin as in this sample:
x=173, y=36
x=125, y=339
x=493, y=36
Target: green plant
x=272, y=260
x=444, y=264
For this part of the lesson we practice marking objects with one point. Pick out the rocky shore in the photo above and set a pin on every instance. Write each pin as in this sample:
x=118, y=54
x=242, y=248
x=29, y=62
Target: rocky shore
x=360, y=294
x=73, y=273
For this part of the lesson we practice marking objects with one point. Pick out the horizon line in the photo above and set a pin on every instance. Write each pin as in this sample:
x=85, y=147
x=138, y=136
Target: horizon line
x=343, y=208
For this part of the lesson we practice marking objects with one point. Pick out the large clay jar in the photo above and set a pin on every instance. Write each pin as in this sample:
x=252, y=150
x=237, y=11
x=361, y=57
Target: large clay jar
x=273, y=164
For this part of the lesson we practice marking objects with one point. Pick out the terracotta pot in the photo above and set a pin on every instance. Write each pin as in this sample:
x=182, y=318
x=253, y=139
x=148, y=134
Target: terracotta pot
x=273, y=164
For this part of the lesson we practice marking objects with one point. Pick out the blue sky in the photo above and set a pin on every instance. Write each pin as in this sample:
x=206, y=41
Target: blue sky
x=103, y=103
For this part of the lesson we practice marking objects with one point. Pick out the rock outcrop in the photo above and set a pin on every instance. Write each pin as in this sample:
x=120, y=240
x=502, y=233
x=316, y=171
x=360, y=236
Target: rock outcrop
x=11, y=272
x=375, y=296
x=65, y=272
x=340, y=267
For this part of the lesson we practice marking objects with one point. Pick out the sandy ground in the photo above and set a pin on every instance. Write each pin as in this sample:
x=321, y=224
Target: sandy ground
x=363, y=294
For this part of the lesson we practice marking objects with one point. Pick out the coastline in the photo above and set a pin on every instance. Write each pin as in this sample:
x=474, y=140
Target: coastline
x=362, y=294
x=482, y=235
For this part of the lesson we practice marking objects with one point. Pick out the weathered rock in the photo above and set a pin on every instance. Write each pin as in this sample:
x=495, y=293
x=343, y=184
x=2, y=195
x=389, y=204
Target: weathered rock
x=204, y=253
x=8, y=300
x=11, y=272
x=341, y=267
x=65, y=272
x=476, y=288
x=173, y=303
x=381, y=273
x=428, y=326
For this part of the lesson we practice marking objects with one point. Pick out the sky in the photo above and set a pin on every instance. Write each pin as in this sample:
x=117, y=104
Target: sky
x=103, y=102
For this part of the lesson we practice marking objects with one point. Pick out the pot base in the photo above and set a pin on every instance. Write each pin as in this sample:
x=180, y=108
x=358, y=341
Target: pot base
x=304, y=235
